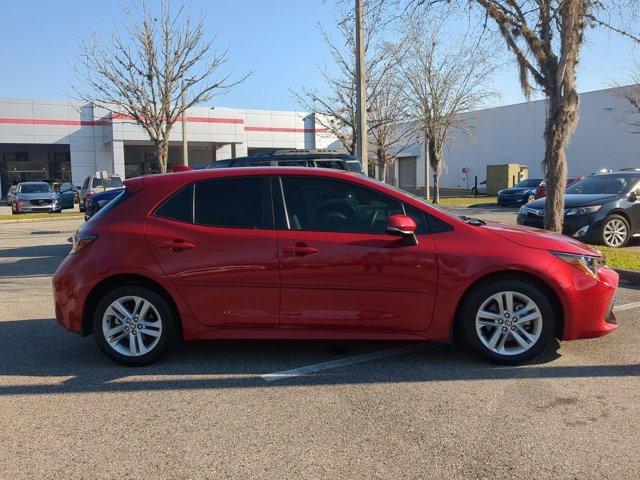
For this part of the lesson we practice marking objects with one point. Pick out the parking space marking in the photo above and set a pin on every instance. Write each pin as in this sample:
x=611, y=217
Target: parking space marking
x=319, y=367
x=366, y=357
x=626, y=306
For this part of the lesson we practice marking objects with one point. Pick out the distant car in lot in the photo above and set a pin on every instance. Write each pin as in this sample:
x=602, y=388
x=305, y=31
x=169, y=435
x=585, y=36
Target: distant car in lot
x=521, y=193
x=66, y=192
x=322, y=158
x=309, y=253
x=99, y=200
x=481, y=189
x=35, y=197
x=94, y=184
x=541, y=191
x=601, y=208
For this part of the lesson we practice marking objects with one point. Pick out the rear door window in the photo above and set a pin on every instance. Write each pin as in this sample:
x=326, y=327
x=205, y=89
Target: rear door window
x=234, y=202
x=179, y=206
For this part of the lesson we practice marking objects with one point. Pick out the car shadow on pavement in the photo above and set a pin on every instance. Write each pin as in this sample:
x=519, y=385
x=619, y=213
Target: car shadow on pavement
x=59, y=362
x=32, y=260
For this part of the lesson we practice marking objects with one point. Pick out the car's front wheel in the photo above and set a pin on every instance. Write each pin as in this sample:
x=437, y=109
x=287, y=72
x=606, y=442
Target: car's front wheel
x=134, y=325
x=615, y=231
x=508, y=321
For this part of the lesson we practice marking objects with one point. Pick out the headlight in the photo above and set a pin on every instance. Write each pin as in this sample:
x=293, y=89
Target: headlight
x=589, y=264
x=582, y=210
x=500, y=192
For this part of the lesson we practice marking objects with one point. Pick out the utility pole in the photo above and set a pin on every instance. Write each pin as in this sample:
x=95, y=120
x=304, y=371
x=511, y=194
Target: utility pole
x=427, y=161
x=185, y=145
x=362, y=142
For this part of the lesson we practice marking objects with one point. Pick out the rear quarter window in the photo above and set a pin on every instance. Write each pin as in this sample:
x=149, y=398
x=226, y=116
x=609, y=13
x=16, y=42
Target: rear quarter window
x=178, y=206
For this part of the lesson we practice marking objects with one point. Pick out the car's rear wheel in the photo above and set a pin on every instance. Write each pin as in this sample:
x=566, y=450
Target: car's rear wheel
x=134, y=325
x=615, y=231
x=508, y=321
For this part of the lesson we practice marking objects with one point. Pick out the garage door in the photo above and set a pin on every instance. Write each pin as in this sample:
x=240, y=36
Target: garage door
x=407, y=167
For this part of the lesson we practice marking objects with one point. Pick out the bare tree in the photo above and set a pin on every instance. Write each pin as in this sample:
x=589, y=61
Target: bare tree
x=630, y=92
x=441, y=85
x=545, y=37
x=145, y=70
x=391, y=134
x=336, y=101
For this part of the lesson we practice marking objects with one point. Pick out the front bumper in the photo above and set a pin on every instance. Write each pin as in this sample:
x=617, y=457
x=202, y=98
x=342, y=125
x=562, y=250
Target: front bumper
x=506, y=200
x=35, y=209
x=587, y=228
x=587, y=302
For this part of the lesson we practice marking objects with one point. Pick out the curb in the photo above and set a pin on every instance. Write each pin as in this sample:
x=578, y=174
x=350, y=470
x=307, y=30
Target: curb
x=34, y=220
x=629, y=276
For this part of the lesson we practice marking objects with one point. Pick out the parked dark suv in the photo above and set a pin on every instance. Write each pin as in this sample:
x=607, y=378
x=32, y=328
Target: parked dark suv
x=602, y=208
x=323, y=158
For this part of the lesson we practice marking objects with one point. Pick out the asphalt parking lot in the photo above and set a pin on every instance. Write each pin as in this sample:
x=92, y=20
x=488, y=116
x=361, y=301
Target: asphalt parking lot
x=215, y=409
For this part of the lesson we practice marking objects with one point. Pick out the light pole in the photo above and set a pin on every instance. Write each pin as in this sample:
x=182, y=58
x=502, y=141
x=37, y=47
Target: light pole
x=185, y=146
x=362, y=143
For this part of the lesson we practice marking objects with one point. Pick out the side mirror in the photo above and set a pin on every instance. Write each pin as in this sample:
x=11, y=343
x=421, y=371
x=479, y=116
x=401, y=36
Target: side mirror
x=403, y=226
x=633, y=196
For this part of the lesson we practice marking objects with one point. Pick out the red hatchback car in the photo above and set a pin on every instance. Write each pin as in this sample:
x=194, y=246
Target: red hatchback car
x=302, y=253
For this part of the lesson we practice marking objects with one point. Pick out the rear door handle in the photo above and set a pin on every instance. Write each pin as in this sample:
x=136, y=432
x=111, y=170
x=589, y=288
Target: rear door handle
x=176, y=245
x=299, y=249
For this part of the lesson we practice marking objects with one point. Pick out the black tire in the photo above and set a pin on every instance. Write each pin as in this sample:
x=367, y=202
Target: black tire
x=475, y=300
x=168, y=336
x=609, y=220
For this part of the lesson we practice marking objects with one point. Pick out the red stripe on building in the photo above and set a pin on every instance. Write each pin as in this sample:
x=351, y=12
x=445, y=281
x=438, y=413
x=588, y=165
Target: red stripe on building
x=47, y=121
x=121, y=116
x=285, y=130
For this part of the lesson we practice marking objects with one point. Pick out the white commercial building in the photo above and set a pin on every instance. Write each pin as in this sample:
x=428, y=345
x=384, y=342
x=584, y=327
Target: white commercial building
x=514, y=134
x=68, y=141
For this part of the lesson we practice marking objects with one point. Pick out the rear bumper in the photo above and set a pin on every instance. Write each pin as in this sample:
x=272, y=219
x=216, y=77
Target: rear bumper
x=72, y=283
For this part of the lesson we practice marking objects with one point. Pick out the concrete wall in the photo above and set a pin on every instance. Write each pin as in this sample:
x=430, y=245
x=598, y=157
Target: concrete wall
x=514, y=134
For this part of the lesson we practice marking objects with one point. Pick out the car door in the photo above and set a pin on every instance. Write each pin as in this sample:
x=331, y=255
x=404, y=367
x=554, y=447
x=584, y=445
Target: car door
x=215, y=241
x=339, y=268
x=634, y=210
x=66, y=195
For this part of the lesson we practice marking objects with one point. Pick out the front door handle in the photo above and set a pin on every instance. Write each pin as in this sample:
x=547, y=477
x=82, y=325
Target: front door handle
x=299, y=249
x=176, y=245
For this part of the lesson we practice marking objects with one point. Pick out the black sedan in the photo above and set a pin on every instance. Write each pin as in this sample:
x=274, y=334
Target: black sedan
x=601, y=208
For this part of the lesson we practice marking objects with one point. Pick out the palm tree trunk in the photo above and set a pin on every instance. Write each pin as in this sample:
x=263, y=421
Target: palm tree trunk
x=562, y=119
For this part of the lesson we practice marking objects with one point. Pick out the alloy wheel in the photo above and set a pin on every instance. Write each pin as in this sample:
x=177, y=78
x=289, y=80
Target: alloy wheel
x=132, y=326
x=508, y=323
x=615, y=232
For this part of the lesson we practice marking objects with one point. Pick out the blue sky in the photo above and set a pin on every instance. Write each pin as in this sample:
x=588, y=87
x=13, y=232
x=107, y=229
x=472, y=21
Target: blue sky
x=277, y=39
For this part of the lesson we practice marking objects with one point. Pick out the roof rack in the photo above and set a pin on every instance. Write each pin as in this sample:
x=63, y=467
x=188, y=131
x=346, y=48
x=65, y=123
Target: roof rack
x=629, y=169
x=318, y=151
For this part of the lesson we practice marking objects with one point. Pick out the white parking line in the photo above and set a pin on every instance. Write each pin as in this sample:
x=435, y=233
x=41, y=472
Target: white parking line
x=318, y=367
x=626, y=306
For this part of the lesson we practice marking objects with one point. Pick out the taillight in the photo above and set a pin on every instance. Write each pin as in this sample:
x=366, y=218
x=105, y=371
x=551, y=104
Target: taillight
x=81, y=241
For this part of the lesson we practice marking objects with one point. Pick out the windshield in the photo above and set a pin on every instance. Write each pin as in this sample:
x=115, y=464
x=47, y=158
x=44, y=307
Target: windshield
x=529, y=183
x=603, y=184
x=110, y=182
x=36, y=188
